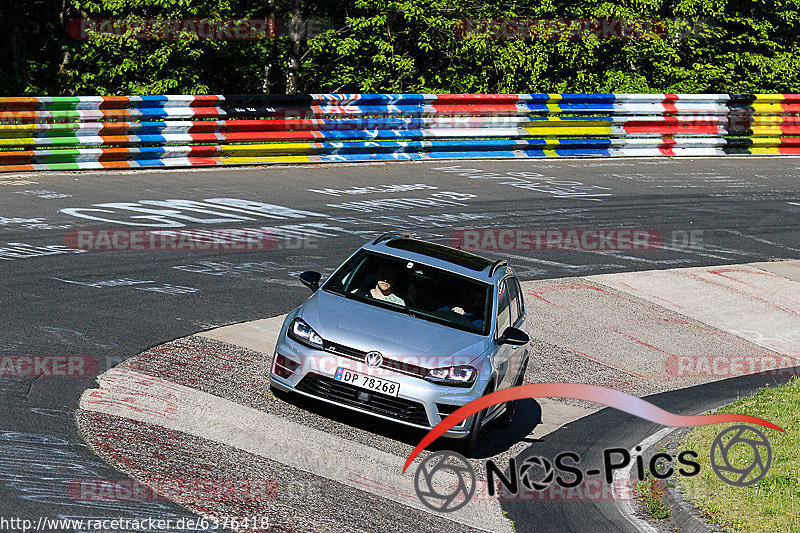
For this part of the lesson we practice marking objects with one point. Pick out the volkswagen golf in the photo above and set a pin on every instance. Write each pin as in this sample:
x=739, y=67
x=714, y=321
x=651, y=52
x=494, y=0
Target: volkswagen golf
x=408, y=331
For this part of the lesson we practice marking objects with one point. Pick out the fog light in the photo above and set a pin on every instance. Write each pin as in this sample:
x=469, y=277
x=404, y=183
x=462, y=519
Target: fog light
x=283, y=366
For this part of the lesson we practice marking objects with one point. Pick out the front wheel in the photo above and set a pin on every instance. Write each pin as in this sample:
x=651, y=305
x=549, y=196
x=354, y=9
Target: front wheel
x=505, y=419
x=471, y=441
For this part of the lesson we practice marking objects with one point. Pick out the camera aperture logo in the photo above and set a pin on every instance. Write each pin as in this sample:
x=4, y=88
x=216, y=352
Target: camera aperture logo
x=735, y=436
x=445, y=481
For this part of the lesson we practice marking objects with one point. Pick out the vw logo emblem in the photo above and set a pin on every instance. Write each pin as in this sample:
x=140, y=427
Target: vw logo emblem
x=374, y=359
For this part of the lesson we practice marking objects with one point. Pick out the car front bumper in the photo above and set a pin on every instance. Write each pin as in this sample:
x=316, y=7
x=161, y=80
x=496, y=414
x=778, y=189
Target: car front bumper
x=419, y=403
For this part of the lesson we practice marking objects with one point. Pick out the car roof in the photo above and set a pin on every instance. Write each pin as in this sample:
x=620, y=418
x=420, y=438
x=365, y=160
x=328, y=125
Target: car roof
x=436, y=255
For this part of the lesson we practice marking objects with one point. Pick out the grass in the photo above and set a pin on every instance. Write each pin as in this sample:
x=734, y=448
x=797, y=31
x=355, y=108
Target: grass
x=772, y=504
x=651, y=492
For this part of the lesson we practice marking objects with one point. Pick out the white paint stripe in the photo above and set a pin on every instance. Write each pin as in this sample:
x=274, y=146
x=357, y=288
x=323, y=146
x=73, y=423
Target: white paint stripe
x=553, y=263
x=155, y=401
x=761, y=240
x=625, y=505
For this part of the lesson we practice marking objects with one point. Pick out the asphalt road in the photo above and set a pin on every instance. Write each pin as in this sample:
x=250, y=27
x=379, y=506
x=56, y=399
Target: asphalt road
x=110, y=305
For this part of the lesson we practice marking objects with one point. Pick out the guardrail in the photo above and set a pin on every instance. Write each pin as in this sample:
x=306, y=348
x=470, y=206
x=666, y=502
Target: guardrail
x=96, y=132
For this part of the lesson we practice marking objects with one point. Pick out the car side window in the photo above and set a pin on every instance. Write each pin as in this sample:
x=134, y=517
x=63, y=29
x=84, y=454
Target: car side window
x=503, y=309
x=514, y=296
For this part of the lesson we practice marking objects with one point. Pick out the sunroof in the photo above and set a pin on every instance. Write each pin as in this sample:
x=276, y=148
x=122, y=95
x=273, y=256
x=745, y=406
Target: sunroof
x=443, y=253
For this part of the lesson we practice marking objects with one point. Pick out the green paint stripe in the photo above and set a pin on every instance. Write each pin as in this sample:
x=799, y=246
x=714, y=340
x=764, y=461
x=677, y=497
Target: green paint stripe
x=62, y=166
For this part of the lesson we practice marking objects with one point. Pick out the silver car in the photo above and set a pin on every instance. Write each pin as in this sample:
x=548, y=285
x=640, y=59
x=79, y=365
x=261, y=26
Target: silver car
x=408, y=331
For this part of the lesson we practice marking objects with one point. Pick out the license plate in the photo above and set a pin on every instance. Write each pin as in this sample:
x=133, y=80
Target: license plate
x=363, y=381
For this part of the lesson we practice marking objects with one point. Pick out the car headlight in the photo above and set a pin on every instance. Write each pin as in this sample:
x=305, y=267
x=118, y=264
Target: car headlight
x=455, y=376
x=300, y=331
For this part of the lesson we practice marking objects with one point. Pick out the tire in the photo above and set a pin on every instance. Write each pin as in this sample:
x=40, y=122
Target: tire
x=505, y=419
x=472, y=441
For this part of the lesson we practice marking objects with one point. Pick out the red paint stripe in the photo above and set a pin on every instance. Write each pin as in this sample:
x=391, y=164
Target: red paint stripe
x=205, y=161
x=671, y=125
x=746, y=295
x=16, y=157
x=111, y=155
x=476, y=98
x=106, y=128
x=114, y=102
x=669, y=103
x=118, y=139
x=205, y=100
x=204, y=151
x=667, y=144
x=116, y=164
x=15, y=168
x=476, y=109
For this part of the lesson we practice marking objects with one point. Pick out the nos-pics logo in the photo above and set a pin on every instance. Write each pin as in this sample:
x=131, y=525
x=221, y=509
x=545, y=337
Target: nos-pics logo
x=446, y=481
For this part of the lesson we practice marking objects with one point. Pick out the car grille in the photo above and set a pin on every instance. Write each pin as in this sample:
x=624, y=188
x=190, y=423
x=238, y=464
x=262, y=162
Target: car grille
x=382, y=404
x=400, y=367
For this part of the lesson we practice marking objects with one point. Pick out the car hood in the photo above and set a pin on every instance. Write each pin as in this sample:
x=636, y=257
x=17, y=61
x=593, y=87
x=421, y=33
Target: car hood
x=367, y=327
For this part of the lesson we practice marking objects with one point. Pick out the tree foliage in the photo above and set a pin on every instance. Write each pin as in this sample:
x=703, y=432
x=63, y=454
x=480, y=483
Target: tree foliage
x=376, y=46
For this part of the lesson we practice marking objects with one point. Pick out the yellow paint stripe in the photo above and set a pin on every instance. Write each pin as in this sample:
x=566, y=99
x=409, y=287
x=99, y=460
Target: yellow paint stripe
x=767, y=130
x=16, y=127
x=767, y=108
x=765, y=141
x=18, y=140
x=550, y=153
x=554, y=97
x=248, y=150
x=765, y=151
x=265, y=159
x=562, y=129
x=553, y=108
x=769, y=97
x=767, y=120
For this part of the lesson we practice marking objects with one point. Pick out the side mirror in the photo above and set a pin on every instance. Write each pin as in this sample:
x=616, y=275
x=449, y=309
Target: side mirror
x=514, y=337
x=310, y=279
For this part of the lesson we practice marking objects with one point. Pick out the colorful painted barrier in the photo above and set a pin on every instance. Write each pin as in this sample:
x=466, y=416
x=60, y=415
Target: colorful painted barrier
x=94, y=132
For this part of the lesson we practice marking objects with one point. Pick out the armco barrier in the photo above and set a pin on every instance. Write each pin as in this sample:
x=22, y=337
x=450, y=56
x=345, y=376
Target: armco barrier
x=90, y=132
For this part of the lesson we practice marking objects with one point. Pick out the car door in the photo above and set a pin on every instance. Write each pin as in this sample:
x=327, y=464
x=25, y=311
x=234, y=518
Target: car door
x=518, y=319
x=504, y=356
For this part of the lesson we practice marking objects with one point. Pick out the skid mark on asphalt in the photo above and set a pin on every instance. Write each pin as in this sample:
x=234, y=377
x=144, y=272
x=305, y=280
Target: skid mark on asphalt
x=757, y=304
x=625, y=331
x=136, y=396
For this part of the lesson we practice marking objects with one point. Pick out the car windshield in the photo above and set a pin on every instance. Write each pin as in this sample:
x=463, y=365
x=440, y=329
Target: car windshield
x=415, y=289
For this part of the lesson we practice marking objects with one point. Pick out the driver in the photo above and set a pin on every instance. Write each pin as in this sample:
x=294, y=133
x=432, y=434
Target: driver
x=385, y=284
x=470, y=306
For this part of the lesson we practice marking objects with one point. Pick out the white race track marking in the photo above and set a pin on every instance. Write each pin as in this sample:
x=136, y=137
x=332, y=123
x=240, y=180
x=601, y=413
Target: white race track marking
x=144, y=398
x=623, y=476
